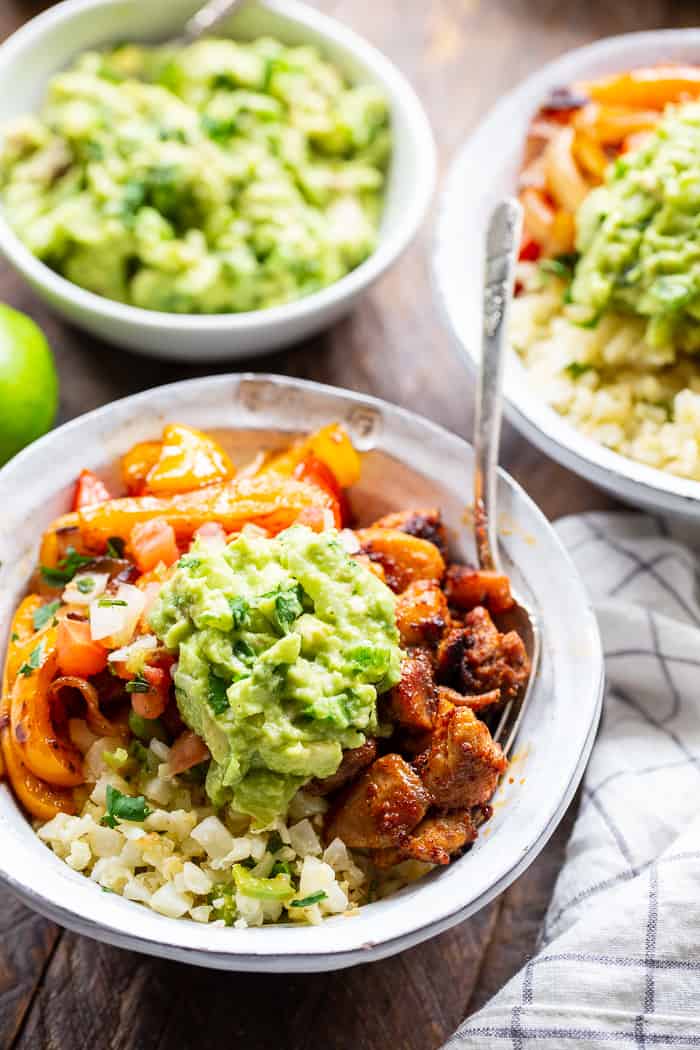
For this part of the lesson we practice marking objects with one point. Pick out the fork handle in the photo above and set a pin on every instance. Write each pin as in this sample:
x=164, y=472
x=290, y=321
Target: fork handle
x=203, y=20
x=502, y=242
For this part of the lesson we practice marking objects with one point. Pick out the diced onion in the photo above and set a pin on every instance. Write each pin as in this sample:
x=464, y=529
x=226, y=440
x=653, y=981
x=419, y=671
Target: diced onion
x=349, y=541
x=116, y=622
x=212, y=534
x=143, y=644
x=73, y=594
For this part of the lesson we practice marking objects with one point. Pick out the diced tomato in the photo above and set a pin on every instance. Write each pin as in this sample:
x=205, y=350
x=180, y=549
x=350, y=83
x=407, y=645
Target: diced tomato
x=90, y=489
x=187, y=751
x=152, y=542
x=77, y=653
x=152, y=703
x=530, y=250
x=314, y=470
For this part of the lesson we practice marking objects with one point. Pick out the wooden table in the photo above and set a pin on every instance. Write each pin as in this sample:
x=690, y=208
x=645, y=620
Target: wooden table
x=64, y=992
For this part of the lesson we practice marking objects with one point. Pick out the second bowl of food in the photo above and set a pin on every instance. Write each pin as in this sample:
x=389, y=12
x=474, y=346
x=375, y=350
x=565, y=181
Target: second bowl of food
x=251, y=681
x=602, y=147
x=205, y=201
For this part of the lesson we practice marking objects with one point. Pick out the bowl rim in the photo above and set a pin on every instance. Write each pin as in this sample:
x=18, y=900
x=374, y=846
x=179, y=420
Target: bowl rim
x=296, y=953
x=625, y=477
x=390, y=243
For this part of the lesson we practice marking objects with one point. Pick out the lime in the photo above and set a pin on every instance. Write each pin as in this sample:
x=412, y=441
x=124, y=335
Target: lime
x=28, y=382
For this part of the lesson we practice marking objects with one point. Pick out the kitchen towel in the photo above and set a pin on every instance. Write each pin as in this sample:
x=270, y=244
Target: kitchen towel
x=618, y=964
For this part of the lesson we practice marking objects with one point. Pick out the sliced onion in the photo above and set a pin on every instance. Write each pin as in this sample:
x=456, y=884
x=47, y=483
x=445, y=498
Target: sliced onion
x=74, y=596
x=115, y=624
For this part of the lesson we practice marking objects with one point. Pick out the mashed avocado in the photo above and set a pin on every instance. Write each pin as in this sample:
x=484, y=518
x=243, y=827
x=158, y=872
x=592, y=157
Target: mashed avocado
x=639, y=235
x=215, y=178
x=283, y=645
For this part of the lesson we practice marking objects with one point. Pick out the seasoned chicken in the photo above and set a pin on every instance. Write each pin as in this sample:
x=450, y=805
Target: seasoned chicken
x=381, y=807
x=425, y=523
x=404, y=558
x=462, y=765
x=421, y=614
x=435, y=839
x=466, y=588
x=413, y=702
x=476, y=703
x=478, y=659
x=352, y=763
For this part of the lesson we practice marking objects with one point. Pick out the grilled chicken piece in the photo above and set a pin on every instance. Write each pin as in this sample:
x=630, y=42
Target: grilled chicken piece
x=479, y=659
x=351, y=764
x=466, y=588
x=404, y=558
x=434, y=841
x=425, y=523
x=413, y=702
x=476, y=703
x=380, y=808
x=461, y=767
x=421, y=614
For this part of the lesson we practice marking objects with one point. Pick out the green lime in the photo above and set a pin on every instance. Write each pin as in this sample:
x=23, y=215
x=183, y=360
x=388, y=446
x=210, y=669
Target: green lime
x=28, y=382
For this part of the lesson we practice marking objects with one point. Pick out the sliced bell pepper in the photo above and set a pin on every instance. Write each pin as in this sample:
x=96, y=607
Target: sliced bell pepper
x=137, y=463
x=269, y=500
x=188, y=459
x=652, y=87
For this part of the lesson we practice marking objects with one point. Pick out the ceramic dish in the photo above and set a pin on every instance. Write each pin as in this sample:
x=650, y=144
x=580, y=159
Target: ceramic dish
x=49, y=42
x=486, y=168
x=407, y=461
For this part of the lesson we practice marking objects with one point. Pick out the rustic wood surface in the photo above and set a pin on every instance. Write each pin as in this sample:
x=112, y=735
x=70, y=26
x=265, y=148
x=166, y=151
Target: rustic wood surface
x=63, y=992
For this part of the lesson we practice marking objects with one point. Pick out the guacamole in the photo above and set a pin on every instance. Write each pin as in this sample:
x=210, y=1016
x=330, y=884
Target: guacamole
x=639, y=235
x=283, y=646
x=218, y=177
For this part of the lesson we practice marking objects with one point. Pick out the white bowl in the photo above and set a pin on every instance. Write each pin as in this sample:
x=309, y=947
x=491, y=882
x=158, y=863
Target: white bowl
x=484, y=170
x=49, y=42
x=408, y=461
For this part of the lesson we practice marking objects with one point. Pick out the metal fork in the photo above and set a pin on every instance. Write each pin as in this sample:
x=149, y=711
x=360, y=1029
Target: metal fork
x=502, y=240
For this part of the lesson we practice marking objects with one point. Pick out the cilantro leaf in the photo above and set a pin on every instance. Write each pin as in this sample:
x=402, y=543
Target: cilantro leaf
x=124, y=807
x=42, y=615
x=189, y=562
x=239, y=611
x=34, y=661
x=216, y=694
x=576, y=369
x=105, y=603
x=288, y=608
x=66, y=568
x=306, y=902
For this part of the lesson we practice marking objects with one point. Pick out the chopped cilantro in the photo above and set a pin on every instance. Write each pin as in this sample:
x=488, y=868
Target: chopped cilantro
x=115, y=547
x=274, y=842
x=105, y=603
x=138, y=684
x=220, y=130
x=66, y=568
x=14, y=637
x=288, y=608
x=562, y=265
x=86, y=584
x=239, y=611
x=306, y=902
x=243, y=651
x=42, y=615
x=34, y=661
x=216, y=694
x=575, y=369
x=280, y=867
x=124, y=807
x=189, y=562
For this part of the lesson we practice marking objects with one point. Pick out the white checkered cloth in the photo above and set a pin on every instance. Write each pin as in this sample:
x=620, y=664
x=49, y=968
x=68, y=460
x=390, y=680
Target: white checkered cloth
x=619, y=958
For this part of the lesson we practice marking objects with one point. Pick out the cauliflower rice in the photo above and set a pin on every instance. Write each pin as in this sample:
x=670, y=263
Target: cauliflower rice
x=180, y=860
x=606, y=380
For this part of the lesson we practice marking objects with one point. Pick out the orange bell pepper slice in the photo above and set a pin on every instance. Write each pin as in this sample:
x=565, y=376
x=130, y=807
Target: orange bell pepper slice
x=188, y=460
x=652, y=87
x=34, y=735
x=315, y=470
x=332, y=445
x=136, y=465
x=89, y=489
x=270, y=501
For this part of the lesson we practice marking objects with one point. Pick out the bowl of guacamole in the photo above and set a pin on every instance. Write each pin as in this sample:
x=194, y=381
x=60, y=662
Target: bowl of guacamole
x=209, y=200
